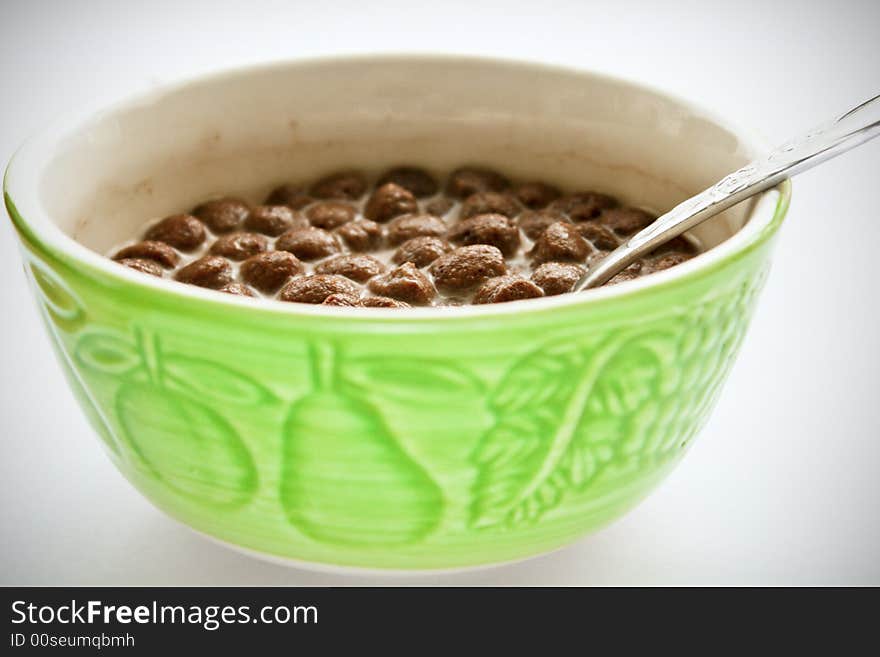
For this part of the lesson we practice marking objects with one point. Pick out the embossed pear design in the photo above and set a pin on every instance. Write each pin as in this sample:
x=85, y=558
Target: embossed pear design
x=161, y=411
x=345, y=477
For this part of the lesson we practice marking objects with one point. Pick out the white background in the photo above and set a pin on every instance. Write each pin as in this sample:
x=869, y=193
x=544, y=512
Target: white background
x=783, y=486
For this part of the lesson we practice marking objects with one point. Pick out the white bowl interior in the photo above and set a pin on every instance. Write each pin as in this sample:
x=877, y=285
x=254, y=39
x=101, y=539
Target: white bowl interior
x=244, y=132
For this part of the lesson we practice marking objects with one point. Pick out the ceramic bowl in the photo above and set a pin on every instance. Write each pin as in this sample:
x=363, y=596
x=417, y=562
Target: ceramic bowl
x=385, y=439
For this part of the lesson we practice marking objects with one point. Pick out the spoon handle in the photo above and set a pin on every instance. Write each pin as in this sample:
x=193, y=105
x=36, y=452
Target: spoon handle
x=791, y=158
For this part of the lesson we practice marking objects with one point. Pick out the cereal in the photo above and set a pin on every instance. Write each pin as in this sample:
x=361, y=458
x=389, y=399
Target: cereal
x=237, y=289
x=507, y=288
x=331, y=214
x=345, y=186
x=533, y=223
x=361, y=235
x=493, y=229
x=308, y=243
x=182, y=231
x=142, y=265
x=390, y=201
x=669, y=260
x=316, y=288
x=405, y=283
x=383, y=302
x=421, y=251
x=208, y=271
x=409, y=226
x=158, y=252
x=560, y=242
x=489, y=203
x=467, y=266
x=557, y=277
x=238, y=246
x=470, y=180
x=399, y=239
x=439, y=206
x=273, y=220
x=293, y=196
x=269, y=271
x=417, y=181
x=342, y=299
x=357, y=267
x=536, y=195
x=626, y=221
x=597, y=235
x=583, y=206
x=680, y=243
x=223, y=215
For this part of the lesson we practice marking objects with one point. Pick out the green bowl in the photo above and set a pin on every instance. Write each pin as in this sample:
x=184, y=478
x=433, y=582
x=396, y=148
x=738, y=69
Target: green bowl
x=435, y=438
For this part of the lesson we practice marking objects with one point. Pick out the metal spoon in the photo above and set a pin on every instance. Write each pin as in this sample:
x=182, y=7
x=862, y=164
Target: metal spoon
x=852, y=129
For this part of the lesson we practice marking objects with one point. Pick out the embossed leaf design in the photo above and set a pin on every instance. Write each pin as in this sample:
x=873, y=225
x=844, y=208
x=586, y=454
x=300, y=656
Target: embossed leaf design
x=561, y=413
x=106, y=353
x=202, y=379
x=187, y=445
x=63, y=306
x=410, y=380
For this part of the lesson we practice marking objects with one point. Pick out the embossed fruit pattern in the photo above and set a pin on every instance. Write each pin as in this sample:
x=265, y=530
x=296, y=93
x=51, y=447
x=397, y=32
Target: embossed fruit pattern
x=345, y=477
x=58, y=299
x=161, y=410
x=568, y=415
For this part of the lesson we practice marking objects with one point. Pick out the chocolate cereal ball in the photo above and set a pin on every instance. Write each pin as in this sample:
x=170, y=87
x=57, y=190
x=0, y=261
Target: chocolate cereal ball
x=342, y=299
x=308, y=243
x=489, y=203
x=557, y=277
x=331, y=214
x=142, y=265
x=626, y=221
x=598, y=235
x=344, y=186
x=679, y=244
x=237, y=289
x=405, y=283
x=536, y=195
x=469, y=180
x=223, y=215
x=421, y=251
x=208, y=271
x=560, y=242
x=409, y=226
x=467, y=266
x=533, y=223
x=669, y=260
x=273, y=220
x=316, y=288
x=357, y=267
x=494, y=229
x=507, y=288
x=269, y=271
x=583, y=206
x=382, y=302
x=439, y=206
x=158, y=252
x=293, y=196
x=361, y=235
x=238, y=246
x=417, y=181
x=182, y=231
x=389, y=201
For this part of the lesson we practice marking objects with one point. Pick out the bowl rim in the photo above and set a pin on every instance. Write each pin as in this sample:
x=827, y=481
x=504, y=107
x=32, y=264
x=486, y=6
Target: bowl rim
x=36, y=227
